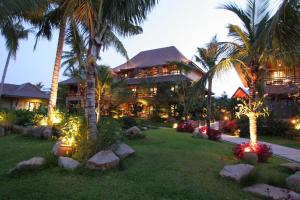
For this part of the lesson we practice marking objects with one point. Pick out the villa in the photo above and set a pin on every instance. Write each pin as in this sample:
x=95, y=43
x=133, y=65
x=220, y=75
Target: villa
x=25, y=96
x=145, y=73
x=282, y=86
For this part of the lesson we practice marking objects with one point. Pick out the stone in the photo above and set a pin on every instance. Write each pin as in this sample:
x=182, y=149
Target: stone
x=272, y=192
x=122, y=150
x=236, y=172
x=20, y=129
x=33, y=163
x=2, y=131
x=42, y=132
x=47, y=132
x=291, y=166
x=134, y=132
x=55, y=148
x=293, y=181
x=68, y=163
x=103, y=160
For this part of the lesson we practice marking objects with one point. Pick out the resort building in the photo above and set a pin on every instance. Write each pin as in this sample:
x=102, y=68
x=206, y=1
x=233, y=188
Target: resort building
x=26, y=96
x=148, y=74
x=282, y=86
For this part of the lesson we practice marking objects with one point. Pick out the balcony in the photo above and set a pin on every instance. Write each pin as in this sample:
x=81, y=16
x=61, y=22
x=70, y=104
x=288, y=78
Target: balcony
x=288, y=80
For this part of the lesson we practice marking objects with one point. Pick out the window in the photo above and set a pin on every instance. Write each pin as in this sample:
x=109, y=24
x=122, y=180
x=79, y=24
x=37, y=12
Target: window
x=278, y=74
x=126, y=75
x=164, y=70
x=153, y=90
x=73, y=89
x=174, y=88
x=175, y=72
x=33, y=106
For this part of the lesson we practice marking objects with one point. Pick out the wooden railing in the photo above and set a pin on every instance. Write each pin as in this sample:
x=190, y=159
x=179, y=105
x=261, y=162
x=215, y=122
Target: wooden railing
x=283, y=80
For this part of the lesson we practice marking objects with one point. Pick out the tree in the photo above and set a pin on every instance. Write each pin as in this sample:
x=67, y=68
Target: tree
x=210, y=58
x=13, y=33
x=102, y=19
x=258, y=42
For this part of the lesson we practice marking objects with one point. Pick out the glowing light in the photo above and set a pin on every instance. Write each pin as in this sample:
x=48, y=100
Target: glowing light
x=297, y=126
x=56, y=120
x=294, y=121
x=226, y=118
x=43, y=122
x=175, y=125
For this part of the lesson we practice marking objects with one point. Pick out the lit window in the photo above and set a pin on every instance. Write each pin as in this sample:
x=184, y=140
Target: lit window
x=153, y=90
x=133, y=90
x=278, y=74
x=174, y=88
x=125, y=75
x=165, y=70
x=175, y=72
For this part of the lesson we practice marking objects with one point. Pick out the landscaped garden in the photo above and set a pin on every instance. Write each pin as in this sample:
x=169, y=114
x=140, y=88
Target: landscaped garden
x=167, y=165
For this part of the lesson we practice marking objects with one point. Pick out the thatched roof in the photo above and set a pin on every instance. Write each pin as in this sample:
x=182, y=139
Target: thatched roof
x=156, y=57
x=26, y=90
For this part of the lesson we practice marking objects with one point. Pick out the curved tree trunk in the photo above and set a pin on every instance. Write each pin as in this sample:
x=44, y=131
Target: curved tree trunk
x=4, y=73
x=55, y=76
x=90, y=95
x=208, y=104
x=253, y=128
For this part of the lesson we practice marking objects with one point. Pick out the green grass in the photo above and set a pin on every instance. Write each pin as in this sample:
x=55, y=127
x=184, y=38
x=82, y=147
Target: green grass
x=167, y=165
x=289, y=142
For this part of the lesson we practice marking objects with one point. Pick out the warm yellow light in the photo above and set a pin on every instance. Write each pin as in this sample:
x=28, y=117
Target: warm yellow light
x=175, y=125
x=297, y=126
x=294, y=121
x=226, y=118
x=67, y=141
x=43, y=121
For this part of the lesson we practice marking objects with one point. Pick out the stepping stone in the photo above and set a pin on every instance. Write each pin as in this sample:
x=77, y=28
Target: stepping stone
x=33, y=163
x=122, y=150
x=291, y=166
x=272, y=192
x=103, y=160
x=236, y=172
x=68, y=163
x=293, y=181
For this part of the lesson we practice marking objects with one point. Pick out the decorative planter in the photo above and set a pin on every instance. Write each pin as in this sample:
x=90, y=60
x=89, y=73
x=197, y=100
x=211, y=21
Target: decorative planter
x=64, y=150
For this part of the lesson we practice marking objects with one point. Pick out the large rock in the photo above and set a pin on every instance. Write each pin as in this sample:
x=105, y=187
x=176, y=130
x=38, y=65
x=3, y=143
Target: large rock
x=272, y=192
x=291, y=166
x=55, y=148
x=293, y=182
x=122, y=150
x=103, y=160
x=134, y=132
x=2, y=131
x=33, y=163
x=236, y=172
x=68, y=163
x=21, y=129
x=42, y=132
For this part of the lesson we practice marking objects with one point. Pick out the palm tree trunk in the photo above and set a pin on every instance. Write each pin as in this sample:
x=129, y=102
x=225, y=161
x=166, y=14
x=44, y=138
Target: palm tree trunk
x=55, y=76
x=208, y=117
x=4, y=73
x=90, y=102
x=253, y=128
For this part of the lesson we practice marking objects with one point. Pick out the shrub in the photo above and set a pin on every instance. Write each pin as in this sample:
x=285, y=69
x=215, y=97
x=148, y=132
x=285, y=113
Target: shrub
x=263, y=151
x=214, y=134
x=110, y=131
x=24, y=117
x=128, y=122
x=230, y=126
x=185, y=127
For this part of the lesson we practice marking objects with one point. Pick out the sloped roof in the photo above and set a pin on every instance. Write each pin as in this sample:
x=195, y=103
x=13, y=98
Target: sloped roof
x=155, y=57
x=240, y=93
x=70, y=81
x=26, y=90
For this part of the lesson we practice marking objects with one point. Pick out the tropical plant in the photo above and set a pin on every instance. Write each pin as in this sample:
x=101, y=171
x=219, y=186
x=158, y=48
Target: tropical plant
x=13, y=32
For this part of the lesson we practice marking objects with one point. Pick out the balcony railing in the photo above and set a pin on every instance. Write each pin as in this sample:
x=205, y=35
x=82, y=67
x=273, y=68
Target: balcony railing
x=283, y=80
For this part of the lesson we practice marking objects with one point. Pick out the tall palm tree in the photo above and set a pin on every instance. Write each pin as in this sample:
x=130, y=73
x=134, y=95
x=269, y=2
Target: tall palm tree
x=102, y=19
x=13, y=32
x=256, y=43
x=210, y=58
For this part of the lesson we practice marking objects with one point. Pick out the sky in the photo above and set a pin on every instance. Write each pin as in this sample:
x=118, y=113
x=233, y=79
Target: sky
x=184, y=24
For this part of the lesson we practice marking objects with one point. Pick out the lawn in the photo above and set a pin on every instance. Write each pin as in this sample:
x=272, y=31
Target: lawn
x=284, y=141
x=167, y=165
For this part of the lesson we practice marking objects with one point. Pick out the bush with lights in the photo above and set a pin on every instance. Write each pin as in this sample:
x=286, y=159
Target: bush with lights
x=263, y=151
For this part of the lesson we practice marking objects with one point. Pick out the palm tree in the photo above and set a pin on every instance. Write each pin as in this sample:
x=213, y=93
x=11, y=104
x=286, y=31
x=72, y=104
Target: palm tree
x=256, y=43
x=13, y=33
x=210, y=58
x=102, y=19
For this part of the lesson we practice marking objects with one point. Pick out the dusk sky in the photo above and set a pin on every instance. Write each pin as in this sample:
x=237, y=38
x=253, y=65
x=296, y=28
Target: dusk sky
x=185, y=24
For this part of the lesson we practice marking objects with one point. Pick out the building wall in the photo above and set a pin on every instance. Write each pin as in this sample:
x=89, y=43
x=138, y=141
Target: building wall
x=13, y=103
